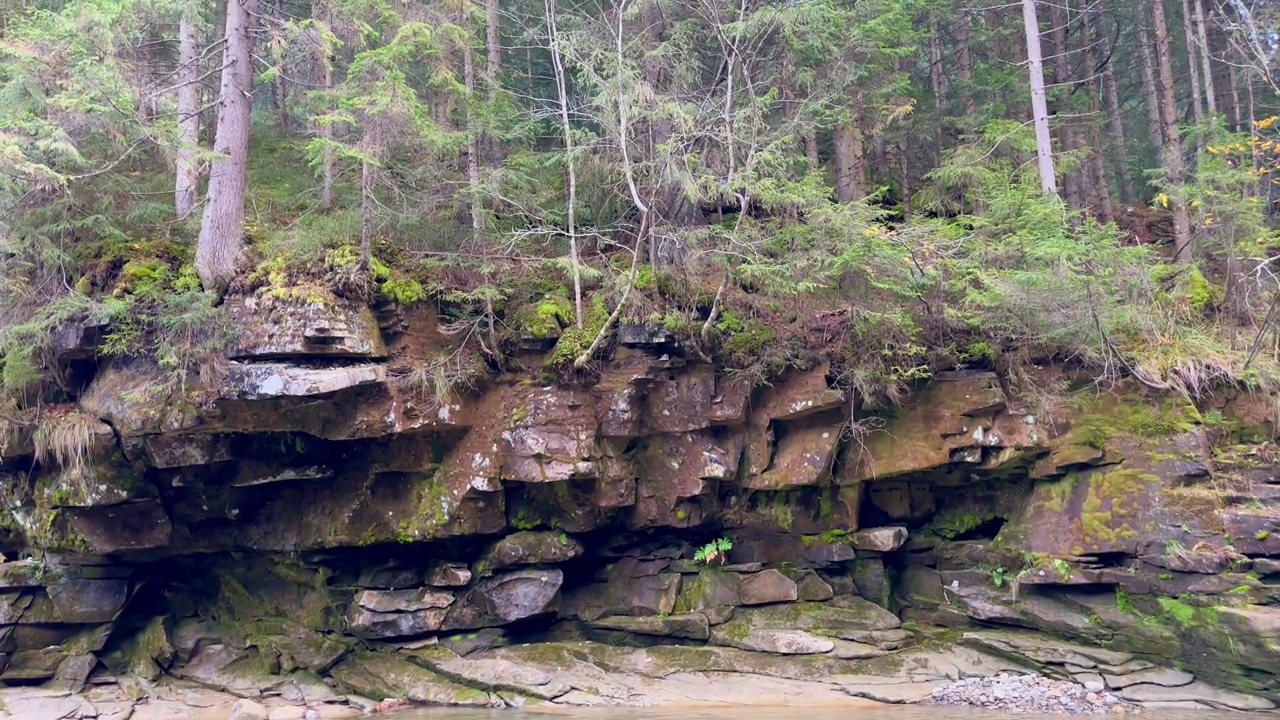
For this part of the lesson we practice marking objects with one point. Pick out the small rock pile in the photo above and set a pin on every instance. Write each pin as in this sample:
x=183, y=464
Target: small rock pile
x=1031, y=693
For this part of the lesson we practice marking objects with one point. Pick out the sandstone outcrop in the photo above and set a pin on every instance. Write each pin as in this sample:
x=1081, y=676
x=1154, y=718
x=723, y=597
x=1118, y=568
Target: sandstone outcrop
x=309, y=531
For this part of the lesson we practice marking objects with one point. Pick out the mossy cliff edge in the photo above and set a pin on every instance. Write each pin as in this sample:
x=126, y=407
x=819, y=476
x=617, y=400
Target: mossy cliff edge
x=340, y=514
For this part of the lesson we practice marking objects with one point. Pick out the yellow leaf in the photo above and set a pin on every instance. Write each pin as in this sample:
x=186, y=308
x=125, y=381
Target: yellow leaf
x=1195, y=203
x=1162, y=199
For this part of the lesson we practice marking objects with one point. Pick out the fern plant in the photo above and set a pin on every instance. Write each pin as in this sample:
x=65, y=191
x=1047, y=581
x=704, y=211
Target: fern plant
x=716, y=551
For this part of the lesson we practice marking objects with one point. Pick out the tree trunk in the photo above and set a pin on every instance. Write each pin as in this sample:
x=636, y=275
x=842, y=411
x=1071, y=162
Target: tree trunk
x=1155, y=127
x=222, y=226
x=1068, y=133
x=186, y=172
x=220, y=32
x=1098, y=186
x=905, y=180
x=1172, y=143
x=366, y=199
x=811, y=147
x=851, y=171
x=1202, y=38
x=493, y=47
x=1039, y=107
x=936, y=78
x=1115, y=113
x=562, y=95
x=1197, y=102
x=965, y=71
x=1235, y=96
x=473, y=148
x=281, y=93
x=320, y=10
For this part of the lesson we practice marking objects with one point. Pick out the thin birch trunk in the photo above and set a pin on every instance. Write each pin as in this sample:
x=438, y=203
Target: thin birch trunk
x=1197, y=102
x=1040, y=108
x=320, y=9
x=562, y=95
x=187, y=173
x=1210, y=95
x=965, y=71
x=493, y=48
x=473, y=147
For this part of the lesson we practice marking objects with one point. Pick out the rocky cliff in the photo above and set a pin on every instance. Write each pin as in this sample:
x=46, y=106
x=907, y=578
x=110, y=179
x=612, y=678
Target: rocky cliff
x=341, y=515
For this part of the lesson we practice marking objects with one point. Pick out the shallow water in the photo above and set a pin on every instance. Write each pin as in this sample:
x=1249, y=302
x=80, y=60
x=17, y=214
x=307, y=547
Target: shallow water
x=914, y=712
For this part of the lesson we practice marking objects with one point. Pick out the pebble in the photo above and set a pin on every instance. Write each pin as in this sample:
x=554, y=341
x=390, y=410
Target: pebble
x=1030, y=693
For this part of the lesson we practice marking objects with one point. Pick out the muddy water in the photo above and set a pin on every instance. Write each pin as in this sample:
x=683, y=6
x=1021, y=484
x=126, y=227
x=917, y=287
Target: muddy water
x=798, y=713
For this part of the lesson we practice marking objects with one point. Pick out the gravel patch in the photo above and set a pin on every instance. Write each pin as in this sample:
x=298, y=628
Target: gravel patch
x=1031, y=693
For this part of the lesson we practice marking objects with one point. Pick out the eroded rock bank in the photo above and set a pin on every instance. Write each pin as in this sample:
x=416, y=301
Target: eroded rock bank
x=315, y=531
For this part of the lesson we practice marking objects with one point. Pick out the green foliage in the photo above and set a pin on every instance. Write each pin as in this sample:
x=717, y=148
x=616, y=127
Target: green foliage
x=716, y=551
x=575, y=341
x=999, y=577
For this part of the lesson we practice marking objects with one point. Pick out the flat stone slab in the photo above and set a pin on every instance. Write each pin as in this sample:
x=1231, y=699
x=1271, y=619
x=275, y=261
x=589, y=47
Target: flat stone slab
x=386, y=601
x=1167, y=677
x=378, y=675
x=263, y=381
x=1196, y=692
x=884, y=539
x=850, y=650
x=1041, y=649
x=694, y=626
x=781, y=642
x=494, y=673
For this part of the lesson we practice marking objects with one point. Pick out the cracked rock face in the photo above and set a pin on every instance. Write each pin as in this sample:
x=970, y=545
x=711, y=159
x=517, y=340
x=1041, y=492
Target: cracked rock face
x=312, y=523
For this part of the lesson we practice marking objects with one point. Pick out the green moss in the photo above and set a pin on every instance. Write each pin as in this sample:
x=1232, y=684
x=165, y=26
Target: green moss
x=979, y=351
x=1197, y=292
x=748, y=343
x=1112, y=498
x=1178, y=611
x=1111, y=415
x=546, y=318
x=1123, y=603
x=431, y=507
x=575, y=341
x=404, y=291
x=1052, y=496
x=953, y=524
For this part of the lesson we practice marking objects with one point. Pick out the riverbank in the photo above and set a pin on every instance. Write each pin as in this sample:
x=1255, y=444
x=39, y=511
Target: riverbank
x=987, y=670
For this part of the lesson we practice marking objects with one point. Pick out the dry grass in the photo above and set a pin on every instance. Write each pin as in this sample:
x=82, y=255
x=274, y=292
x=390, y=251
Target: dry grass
x=438, y=382
x=65, y=438
x=1202, y=504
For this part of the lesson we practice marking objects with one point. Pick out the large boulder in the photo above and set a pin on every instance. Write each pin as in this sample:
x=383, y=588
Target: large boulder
x=505, y=599
x=529, y=548
x=767, y=586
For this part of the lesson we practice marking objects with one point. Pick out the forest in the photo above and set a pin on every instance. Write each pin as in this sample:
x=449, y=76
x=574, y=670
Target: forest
x=892, y=186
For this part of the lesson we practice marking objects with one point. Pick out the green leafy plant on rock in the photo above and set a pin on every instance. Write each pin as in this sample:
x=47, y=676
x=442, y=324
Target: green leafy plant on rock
x=999, y=577
x=716, y=551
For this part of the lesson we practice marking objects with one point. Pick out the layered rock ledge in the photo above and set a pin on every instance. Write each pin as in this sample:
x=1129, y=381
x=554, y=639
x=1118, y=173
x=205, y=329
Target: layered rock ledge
x=315, y=532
